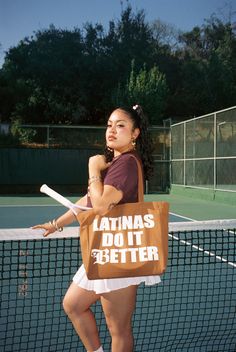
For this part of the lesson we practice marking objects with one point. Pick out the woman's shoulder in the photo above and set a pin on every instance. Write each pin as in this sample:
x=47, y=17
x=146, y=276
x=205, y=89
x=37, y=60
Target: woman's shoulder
x=129, y=158
x=122, y=166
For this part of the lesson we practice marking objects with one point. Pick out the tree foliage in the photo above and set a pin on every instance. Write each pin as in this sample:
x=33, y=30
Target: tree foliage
x=208, y=75
x=78, y=76
x=147, y=88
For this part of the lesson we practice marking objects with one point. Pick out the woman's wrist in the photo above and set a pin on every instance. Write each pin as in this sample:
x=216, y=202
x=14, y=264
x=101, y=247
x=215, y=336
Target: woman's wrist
x=94, y=178
x=54, y=224
x=94, y=174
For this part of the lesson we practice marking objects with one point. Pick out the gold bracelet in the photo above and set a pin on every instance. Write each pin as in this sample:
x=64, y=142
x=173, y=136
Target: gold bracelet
x=94, y=179
x=56, y=227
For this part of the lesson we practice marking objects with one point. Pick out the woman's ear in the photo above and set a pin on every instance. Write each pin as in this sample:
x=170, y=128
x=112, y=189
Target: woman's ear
x=136, y=133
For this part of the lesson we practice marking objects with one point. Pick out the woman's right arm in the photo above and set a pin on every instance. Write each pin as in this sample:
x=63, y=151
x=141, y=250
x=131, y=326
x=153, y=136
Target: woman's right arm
x=64, y=220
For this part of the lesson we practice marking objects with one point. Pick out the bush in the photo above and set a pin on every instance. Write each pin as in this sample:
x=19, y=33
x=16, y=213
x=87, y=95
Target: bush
x=24, y=135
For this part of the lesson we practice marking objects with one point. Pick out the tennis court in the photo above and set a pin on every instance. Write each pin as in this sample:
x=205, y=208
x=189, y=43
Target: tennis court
x=193, y=309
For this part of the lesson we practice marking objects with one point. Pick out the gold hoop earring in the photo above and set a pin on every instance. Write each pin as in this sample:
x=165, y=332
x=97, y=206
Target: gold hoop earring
x=133, y=143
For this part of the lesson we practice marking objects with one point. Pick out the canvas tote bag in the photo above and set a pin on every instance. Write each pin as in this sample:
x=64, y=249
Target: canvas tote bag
x=129, y=240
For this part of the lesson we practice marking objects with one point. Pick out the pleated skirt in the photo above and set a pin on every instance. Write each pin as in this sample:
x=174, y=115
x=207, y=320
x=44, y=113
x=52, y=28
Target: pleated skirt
x=108, y=285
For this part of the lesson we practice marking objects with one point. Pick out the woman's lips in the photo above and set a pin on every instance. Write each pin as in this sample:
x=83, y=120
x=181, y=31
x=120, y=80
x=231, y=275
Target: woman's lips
x=111, y=138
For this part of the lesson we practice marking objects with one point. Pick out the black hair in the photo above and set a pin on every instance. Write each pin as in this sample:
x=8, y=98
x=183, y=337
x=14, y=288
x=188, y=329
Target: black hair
x=144, y=144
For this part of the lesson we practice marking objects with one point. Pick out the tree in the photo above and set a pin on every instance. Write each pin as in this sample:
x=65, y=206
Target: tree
x=68, y=76
x=129, y=39
x=42, y=73
x=207, y=71
x=61, y=76
x=147, y=88
x=165, y=34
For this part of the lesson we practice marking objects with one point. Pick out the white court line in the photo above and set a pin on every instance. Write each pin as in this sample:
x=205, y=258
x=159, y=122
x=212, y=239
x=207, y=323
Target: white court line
x=194, y=220
x=199, y=248
x=183, y=217
x=187, y=243
x=210, y=254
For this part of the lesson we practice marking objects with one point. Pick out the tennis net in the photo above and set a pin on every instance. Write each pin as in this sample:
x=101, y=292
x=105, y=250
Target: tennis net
x=192, y=309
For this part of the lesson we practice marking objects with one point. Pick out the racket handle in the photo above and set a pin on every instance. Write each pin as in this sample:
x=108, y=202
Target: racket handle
x=59, y=198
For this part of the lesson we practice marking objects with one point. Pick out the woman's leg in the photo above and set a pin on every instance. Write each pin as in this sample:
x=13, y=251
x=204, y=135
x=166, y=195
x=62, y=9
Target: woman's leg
x=76, y=304
x=118, y=307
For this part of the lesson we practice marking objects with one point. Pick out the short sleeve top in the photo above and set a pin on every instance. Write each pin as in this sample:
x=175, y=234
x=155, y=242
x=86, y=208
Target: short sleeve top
x=123, y=175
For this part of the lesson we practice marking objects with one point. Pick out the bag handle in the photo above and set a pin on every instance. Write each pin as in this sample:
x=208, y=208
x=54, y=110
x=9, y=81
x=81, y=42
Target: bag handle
x=140, y=179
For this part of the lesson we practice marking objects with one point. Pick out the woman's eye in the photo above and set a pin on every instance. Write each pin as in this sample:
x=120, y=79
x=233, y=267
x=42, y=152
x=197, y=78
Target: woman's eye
x=120, y=125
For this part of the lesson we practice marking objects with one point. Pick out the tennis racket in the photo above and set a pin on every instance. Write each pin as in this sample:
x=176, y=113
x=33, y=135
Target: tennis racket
x=64, y=201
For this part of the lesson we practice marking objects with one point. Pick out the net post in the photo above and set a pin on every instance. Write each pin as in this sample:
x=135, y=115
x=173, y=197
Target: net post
x=184, y=154
x=214, y=158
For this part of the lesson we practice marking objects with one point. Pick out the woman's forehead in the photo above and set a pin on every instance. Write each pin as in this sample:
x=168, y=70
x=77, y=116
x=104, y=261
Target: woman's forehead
x=118, y=115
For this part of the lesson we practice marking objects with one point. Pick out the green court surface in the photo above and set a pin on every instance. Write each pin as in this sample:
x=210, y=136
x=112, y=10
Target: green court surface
x=197, y=209
x=24, y=211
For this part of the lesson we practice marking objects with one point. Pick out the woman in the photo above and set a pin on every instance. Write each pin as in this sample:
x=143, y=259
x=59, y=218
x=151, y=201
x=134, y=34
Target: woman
x=113, y=179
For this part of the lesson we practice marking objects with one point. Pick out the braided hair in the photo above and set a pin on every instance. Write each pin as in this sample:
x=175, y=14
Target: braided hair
x=144, y=145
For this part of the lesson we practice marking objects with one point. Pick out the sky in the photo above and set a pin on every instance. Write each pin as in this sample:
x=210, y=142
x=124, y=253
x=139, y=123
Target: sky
x=21, y=18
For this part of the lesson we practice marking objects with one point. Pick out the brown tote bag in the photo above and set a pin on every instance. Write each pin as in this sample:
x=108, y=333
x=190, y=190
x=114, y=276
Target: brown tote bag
x=129, y=240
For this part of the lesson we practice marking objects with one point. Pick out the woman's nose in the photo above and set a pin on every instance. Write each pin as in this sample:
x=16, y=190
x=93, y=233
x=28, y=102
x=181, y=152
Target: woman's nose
x=113, y=129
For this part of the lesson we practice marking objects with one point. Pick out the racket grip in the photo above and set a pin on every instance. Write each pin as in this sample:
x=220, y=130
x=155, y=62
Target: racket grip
x=58, y=197
x=64, y=201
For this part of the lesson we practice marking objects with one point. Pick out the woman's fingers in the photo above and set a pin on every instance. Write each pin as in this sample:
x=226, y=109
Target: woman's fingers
x=47, y=233
x=47, y=227
x=37, y=227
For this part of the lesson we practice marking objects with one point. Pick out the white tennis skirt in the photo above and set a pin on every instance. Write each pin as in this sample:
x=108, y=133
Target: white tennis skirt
x=108, y=285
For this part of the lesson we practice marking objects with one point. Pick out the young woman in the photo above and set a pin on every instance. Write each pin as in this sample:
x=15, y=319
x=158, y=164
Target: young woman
x=113, y=179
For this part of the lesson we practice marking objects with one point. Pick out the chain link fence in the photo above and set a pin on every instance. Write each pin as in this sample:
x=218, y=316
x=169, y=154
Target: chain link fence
x=203, y=151
x=85, y=140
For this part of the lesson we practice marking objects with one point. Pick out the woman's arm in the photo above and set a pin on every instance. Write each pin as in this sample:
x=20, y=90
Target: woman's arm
x=64, y=220
x=102, y=197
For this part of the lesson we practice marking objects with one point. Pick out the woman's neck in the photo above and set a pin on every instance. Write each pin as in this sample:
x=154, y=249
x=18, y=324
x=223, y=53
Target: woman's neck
x=118, y=152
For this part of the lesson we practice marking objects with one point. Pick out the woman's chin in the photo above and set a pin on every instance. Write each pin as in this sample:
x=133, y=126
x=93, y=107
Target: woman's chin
x=111, y=145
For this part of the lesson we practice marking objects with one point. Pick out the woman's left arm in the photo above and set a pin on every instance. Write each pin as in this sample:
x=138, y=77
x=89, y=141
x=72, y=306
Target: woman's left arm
x=102, y=197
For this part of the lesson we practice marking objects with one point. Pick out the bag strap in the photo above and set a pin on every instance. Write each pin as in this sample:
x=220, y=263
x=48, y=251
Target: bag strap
x=140, y=179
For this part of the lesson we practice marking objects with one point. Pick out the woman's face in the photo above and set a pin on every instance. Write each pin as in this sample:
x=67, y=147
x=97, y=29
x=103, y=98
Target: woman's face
x=120, y=132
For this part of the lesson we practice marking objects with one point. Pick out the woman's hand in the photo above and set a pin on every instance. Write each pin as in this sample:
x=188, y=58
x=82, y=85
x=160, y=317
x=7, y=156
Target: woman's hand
x=64, y=220
x=97, y=163
x=48, y=227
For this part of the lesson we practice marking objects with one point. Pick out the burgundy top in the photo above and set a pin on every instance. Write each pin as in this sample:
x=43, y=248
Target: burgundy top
x=123, y=175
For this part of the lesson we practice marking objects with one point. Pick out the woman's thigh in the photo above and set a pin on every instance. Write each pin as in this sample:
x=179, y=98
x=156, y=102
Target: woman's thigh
x=78, y=299
x=118, y=307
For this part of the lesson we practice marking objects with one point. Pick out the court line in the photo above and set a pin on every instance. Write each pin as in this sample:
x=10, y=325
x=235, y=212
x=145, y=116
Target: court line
x=200, y=249
x=183, y=217
x=28, y=233
x=186, y=243
x=190, y=219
